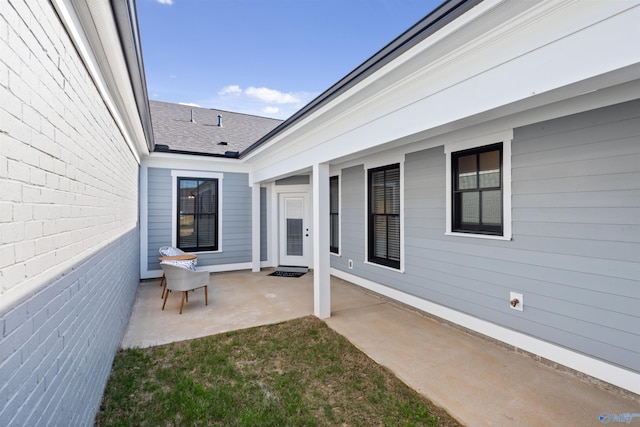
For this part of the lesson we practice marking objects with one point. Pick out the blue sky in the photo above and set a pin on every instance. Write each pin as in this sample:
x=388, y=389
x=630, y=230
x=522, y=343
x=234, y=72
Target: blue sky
x=263, y=57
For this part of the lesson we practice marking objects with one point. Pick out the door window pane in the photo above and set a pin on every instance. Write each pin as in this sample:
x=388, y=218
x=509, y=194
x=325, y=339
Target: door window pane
x=294, y=237
x=294, y=209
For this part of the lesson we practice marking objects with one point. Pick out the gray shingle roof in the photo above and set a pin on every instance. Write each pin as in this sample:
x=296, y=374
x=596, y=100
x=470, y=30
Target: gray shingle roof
x=174, y=132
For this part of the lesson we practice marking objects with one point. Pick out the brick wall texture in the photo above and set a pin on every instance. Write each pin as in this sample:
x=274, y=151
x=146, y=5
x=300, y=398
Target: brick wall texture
x=69, y=239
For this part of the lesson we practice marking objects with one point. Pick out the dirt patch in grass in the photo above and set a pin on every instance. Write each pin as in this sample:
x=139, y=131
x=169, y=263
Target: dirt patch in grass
x=297, y=373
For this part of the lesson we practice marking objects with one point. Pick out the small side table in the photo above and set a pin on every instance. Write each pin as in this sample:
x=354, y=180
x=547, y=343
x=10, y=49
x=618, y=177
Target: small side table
x=181, y=257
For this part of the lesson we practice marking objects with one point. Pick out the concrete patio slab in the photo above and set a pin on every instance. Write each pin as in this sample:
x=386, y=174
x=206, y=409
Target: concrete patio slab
x=237, y=300
x=478, y=382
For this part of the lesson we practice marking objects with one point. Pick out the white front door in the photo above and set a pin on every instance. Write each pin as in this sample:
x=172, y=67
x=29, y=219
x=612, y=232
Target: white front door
x=294, y=229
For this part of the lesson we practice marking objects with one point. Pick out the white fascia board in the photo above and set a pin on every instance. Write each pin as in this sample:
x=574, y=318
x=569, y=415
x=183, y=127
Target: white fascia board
x=92, y=29
x=486, y=127
x=515, y=63
x=487, y=123
x=432, y=39
x=278, y=170
x=189, y=161
x=317, y=122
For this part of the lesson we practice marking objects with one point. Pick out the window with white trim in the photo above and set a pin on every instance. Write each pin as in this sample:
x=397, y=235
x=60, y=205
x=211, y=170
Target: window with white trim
x=384, y=216
x=478, y=178
x=334, y=214
x=477, y=190
x=197, y=216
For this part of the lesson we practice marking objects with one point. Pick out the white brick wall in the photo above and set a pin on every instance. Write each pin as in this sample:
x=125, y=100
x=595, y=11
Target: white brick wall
x=66, y=175
x=69, y=243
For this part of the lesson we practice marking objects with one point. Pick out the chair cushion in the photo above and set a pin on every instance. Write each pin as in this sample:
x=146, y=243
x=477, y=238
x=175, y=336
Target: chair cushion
x=189, y=265
x=170, y=251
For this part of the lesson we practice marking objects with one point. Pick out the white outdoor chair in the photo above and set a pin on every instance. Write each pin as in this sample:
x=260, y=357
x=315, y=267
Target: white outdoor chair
x=182, y=277
x=170, y=251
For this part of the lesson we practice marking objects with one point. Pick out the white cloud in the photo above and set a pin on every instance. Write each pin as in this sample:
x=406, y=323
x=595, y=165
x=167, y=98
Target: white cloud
x=189, y=104
x=259, y=101
x=169, y=2
x=271, y=95
x=230, y=90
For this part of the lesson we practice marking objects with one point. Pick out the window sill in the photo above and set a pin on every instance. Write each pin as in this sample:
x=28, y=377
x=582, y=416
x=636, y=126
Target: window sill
x=477, y=236
x=396, y=270
x=205, y=252
x=339, y=255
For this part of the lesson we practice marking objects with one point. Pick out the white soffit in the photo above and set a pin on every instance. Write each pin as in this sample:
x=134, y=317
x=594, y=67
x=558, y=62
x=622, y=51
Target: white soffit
x=92, y=29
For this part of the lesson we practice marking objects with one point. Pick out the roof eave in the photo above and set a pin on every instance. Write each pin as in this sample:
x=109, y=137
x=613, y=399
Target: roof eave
x=126, y=18
x=227, y=155
x=444, y=14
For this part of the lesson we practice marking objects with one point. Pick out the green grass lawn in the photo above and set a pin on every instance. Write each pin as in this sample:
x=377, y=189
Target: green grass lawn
x=297, y=373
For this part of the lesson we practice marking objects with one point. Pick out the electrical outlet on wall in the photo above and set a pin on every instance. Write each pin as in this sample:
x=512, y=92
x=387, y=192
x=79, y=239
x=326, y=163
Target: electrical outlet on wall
x=516, y=301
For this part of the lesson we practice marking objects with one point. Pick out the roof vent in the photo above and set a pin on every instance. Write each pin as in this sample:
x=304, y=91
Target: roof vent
x=192, y=120
x=219, y=120
x=222, y=143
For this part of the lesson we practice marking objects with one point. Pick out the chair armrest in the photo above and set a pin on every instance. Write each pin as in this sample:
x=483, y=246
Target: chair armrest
x=183, y=279
x=202, y=275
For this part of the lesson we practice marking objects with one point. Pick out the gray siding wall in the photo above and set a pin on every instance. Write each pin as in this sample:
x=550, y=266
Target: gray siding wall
x=575, y=252
x=236, y=219
x=352, y=221
x=159, y=214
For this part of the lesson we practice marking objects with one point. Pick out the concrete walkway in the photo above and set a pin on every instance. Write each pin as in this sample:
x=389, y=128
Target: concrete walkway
x=479, y=383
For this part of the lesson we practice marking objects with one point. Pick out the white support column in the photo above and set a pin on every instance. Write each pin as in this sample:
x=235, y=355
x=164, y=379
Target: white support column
x=255, y=227
x=321, y=267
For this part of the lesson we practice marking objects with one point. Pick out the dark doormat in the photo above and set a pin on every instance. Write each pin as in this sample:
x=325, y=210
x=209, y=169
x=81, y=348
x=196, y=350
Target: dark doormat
x=287, y=274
